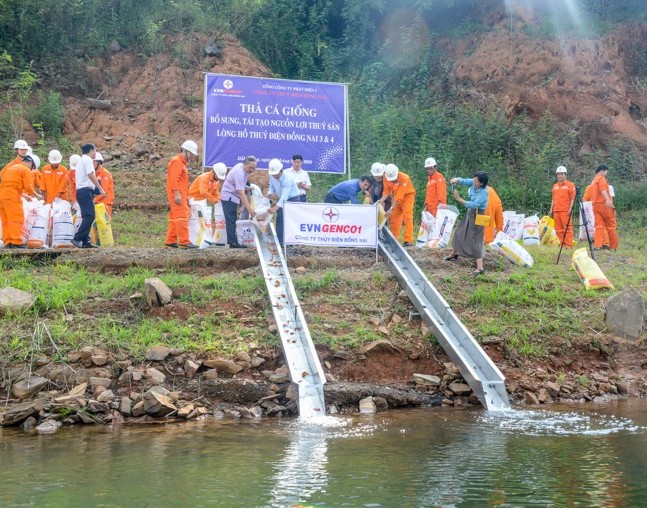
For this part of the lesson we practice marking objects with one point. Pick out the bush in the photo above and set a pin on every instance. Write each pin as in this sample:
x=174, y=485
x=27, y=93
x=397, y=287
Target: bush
x=48, y=113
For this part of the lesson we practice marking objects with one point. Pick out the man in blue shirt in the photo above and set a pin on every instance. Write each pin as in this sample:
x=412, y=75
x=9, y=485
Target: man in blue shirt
x=348, y=190
x=282, y=188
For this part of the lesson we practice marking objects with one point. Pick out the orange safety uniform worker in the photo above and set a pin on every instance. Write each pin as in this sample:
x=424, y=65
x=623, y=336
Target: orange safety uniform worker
x=399, y=186
x=207, y=185
x=107, y=183
x=436, y=192
x=53, y=181
x=495, y=210
x=561, y=207
x=588, y=196
x=71, y=176
x=603, y=210
x=22, y=150
x=16, y=181
x=177, y=192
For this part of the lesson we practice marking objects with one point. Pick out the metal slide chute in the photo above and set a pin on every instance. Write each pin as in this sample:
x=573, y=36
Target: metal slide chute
x=300, y=354
x=476, y=367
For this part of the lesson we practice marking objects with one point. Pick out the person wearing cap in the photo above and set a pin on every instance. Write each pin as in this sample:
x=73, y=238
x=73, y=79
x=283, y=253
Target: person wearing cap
x=400, y=188
x=377, y=185
x=107, y=183
x=561, y=207
x=177, y=193
x=207, y=185
x=436, y=192
x=300, y=176
x=283, y=188
x=87, y=186
x=603, y=209
x=22, y=150
x=468, y=237
x=16, y=183
x=53, y=179
x=234, y=194
x=347, y=190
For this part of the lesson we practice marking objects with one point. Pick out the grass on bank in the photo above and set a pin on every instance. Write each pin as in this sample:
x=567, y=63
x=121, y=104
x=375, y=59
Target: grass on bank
x=534, y=312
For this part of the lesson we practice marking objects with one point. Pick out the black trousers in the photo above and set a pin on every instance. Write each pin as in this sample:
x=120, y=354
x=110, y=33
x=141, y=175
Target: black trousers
x=85, y=198
x=329, y=198
x=230, y=211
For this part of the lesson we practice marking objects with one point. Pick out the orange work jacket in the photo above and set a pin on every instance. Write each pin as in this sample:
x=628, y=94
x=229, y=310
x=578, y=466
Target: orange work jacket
x=177, y=177
x=107, y=183
x=598, y=185
x=399, y=188
x=54, y=183
x=563, y=195
x=436, y=192
x=206, y=186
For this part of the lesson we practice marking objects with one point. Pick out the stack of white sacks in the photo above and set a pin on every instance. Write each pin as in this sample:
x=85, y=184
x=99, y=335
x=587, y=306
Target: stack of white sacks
x=46, y=226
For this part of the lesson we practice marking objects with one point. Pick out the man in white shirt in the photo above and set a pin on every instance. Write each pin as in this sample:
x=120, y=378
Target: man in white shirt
x=87, y=186
x=300, y=176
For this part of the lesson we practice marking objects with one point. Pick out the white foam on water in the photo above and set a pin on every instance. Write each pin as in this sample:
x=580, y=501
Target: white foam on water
x=557, y=423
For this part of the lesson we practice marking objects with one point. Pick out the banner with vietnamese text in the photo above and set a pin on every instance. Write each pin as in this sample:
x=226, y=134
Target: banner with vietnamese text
x=329, y=225
x=275, y=118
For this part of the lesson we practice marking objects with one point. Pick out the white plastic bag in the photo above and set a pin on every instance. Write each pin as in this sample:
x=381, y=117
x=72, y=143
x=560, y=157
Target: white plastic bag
x=531, y=230
x=62, y=224
x=199, y=234
x=513, y=224
x=219, y=225
x=427, y=221
x=511, y=250
x=39, y=230
x=244, y=233
x=587, y=206
x=446, y=218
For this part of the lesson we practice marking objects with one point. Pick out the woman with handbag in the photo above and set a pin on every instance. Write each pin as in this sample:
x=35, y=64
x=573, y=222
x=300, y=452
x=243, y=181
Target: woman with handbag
x=468, y=237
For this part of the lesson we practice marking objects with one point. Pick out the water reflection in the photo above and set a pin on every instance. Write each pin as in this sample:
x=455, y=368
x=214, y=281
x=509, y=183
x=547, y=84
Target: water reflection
x=587, y=456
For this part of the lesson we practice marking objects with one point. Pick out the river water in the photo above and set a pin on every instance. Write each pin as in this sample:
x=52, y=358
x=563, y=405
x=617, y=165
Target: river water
x=584, y=455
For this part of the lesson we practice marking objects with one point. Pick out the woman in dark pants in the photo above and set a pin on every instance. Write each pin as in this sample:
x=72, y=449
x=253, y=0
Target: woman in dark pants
x=468, y=237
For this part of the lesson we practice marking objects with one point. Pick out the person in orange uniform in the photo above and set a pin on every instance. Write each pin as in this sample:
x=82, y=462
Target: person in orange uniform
x=207, y=185
x=16, y=182
x=588, y=196
x=177, y=192
x=495, y=210
x=107, y=183
x=71, y=176
x=22, y=150
x=436, y=192
x=561, y=207
x=603, y=210
x=53, y=180
x=400, y=187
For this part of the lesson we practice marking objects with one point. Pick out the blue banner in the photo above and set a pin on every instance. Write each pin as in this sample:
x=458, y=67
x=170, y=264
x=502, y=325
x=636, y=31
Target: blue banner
x=275, y=118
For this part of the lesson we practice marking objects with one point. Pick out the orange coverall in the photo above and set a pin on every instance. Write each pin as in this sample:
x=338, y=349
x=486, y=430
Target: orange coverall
x=71, y=181
x=107, y=183
x=177, y=179
x=16, y=180
x=53, y=182
x=495, y=211
x=206, y=186
x=17, y=160
x=588, y=196
x=403, y=194
x=563, y=199
x=436, y=192
x=605, y=218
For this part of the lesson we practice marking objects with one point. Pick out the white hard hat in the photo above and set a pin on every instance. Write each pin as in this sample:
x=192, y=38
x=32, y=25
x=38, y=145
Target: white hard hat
x=391, y=172
x=377, y=169
x=430, y=162
x=190, y=146
x=74, y=160
x=98, y=156
x=220, y=170
x=21, y=144
x=36, y=160
x=55, y=157
x=561, y=169
x=275, y=167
